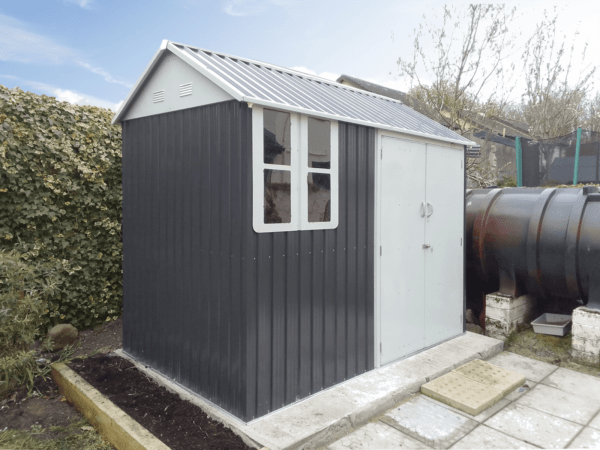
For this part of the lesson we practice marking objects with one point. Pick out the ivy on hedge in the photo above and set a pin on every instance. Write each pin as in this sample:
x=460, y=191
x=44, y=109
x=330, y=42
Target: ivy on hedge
x=60, y=199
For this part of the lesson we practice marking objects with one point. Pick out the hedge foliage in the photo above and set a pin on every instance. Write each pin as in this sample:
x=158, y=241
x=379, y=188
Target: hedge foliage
x=60, y=201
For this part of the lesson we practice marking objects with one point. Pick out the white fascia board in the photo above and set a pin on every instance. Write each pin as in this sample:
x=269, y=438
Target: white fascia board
x=119, y=114
x=235, y=93
x=380, y=126
x=308, y=76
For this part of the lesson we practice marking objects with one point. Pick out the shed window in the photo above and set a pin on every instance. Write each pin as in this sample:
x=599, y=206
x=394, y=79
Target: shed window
x=295, y=173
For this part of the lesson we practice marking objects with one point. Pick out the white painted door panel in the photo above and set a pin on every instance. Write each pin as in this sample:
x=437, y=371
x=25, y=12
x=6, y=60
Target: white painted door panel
x=443, y=232
x=402, y=233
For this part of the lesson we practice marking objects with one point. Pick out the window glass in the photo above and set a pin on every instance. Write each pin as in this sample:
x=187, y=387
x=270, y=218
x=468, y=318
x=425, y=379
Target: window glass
x=319, y=143
x=277, y=142
x=319, y=197
x=278, y=201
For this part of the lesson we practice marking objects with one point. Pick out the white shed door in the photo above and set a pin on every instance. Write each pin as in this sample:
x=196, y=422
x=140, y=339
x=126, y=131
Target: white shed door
x=445, y=194
x=421, y=264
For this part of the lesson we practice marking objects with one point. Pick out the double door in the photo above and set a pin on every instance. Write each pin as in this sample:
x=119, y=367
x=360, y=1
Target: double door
x=421, y=222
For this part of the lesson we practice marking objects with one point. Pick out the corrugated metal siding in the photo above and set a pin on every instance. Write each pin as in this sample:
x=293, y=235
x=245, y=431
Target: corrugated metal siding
x=257, y=81
x=250, y=321
x=311, y=292
x=183, y=311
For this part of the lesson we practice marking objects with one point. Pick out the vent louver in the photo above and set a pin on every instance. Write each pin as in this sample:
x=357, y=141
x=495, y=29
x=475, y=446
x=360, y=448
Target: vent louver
x=185, y=89
x=158, y=96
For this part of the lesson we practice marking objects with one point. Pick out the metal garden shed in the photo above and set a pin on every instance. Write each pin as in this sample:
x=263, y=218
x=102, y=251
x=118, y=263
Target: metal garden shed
x=282, y=232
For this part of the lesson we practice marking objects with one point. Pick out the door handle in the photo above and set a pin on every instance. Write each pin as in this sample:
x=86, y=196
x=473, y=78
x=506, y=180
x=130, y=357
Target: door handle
x=426, y=245
x=422, y=209
x=429, y=207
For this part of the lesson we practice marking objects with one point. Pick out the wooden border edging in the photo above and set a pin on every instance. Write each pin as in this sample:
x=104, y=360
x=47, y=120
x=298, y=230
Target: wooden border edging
x=109, y=420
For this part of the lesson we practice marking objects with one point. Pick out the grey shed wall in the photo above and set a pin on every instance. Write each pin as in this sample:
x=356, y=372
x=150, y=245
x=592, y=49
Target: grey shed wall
x=250, y=321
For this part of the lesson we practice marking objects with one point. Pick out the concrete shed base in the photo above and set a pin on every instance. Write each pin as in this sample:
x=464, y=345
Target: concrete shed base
x=324, y=417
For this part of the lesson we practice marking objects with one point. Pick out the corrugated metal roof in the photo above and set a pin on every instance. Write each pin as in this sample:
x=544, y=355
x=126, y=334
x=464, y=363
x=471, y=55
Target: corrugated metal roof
x=269, y=85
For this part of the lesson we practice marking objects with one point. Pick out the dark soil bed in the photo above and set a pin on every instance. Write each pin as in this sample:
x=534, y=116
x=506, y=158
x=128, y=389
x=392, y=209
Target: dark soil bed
x=176, y=422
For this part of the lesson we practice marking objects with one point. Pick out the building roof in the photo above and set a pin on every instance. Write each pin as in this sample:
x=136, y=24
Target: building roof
x=497, y=124
x=375, y=88
x=277, y=87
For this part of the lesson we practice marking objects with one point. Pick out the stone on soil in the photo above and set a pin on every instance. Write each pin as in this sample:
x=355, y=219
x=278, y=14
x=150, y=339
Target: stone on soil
x=62, y=335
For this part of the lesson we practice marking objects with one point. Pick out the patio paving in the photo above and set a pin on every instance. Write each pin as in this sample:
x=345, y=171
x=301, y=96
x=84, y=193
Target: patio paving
x=556, y=408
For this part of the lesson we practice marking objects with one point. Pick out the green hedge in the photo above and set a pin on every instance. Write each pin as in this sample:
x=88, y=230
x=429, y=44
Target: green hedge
x=60, y=199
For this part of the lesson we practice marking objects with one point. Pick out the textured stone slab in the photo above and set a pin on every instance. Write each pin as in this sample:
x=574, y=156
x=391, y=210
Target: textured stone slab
x=596, y=422
x=462, y=393
x=588, y=438
x=561, y=404
x=473, y=387
x=532, y=426
x=493, y=376
x=484, y=437
x=376, y=436
x=428, y=422
x=574, y=382
x=532, y=369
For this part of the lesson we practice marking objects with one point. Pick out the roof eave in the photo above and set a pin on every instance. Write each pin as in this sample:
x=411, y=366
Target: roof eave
x=310, y=112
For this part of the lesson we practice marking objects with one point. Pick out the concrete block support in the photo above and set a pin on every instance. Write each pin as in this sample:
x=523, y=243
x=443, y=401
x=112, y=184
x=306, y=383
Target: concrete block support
x=586, y=335
x=505, y=313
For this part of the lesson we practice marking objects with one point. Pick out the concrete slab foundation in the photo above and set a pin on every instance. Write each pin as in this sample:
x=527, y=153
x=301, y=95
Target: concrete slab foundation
x=586, y=335
x=325, y=417
x=505, y=313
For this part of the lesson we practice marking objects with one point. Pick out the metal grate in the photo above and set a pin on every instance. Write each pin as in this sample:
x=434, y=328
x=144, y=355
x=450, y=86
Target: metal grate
x=185, y=89
x=158, y=96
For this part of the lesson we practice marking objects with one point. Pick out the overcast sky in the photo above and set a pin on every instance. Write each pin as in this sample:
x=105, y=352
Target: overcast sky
x=93, y=51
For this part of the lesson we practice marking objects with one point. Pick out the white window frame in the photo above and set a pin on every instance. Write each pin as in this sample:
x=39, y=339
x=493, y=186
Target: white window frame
x=299, y=171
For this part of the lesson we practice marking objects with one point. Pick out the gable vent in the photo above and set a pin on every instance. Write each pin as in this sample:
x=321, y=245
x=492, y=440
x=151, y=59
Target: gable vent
x=185, y=89
x=158, y=96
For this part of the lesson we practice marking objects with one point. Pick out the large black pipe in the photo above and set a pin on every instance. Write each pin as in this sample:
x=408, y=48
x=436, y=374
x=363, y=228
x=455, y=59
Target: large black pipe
x=543, y=242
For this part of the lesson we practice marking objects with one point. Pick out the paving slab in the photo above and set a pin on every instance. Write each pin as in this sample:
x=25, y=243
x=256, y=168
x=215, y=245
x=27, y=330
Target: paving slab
x=521, y=390
x=574, y=382
x=473, y=387
x=429, y=423
x=482, y=416
x=588, y=438
x=533, y=426
x=561, y=404
x=484, y=437
x=377, y=435
x=530, y=368
x=491, y=375
x=595, y=423
x=462, y=393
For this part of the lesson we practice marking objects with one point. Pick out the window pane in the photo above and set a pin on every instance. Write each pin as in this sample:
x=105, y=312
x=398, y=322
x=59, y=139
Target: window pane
x=276, y=137
x=319, y=197
x=319, y=143
x=278, y=201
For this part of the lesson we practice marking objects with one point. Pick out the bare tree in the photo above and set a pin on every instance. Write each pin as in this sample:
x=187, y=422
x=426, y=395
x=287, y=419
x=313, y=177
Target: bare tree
x=592, y=117
x=555, y=100
x=462, y=80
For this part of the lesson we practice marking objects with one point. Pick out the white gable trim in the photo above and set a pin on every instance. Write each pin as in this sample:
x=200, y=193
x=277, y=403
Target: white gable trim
x=173, y=86
x=139, y=82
